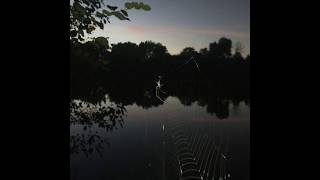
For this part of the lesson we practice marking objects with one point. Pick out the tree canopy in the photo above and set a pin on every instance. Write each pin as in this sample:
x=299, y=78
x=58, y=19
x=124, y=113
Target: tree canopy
x=88, y=15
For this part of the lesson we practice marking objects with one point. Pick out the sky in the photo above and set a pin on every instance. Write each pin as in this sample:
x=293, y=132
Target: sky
x=182, y=23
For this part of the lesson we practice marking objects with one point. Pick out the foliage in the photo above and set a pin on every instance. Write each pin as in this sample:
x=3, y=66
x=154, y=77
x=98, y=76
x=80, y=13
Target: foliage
x=150, y=50
x=221, y=49
x=204, y=51
x=88, y=15
x=136, y=5
x=89, y=57
x=188, y=52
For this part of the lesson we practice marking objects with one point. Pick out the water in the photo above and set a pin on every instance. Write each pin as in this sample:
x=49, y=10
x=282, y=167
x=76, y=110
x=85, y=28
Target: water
x=187, y=136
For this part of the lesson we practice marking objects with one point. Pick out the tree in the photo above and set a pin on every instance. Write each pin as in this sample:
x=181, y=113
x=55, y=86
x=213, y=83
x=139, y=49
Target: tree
x=88, y=57
x=188, y=52
x=213, y=47
x=97, y=48
x=124, y=52
x=204, y=51
x=248, y=58
x=151, y=50
x=238, y=57
x=220, y=49
x=87, y=15
x=225, y=46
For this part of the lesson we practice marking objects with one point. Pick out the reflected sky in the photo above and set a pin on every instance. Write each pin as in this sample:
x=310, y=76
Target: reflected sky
x=135, y=150
x=173, y=108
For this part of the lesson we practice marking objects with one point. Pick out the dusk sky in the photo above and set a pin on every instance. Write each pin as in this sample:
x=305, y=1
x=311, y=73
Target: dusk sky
x=182, y=23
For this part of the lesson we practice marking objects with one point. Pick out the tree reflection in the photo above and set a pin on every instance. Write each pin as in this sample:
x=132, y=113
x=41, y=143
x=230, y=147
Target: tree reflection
x=106, y=117
x=89, y=107
x=141, y=91
x=103, y=115
x=87, y=143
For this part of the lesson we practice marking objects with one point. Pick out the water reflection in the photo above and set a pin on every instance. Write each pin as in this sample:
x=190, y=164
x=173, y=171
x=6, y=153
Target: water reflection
x=89, y=105
x=142, y=92
x=191, y=145
x=104, y=115
x=87, y=115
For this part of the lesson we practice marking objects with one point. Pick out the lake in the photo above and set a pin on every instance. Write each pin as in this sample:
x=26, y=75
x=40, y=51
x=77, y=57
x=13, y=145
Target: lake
x=132, y=134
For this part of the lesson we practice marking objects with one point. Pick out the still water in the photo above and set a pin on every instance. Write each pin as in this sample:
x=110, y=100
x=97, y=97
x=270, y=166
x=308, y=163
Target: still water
x=168, y=141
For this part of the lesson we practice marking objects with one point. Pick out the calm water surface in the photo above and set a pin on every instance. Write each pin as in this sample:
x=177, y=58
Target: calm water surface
x=170, y=141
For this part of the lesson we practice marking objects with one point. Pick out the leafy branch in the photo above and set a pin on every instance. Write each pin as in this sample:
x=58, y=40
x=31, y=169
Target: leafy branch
x=88, y=15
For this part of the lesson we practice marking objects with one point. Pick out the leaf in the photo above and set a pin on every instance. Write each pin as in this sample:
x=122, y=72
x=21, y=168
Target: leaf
x=94, y=21
x=138, y=5
x=146, y=7
x=80, y=38
x=128, y=5
x=90, y=29
x=78, y=8
x=119, y=15
x=124, y=12
x=135, y=5
x=100, y=24
x=90, y=10
x=132, y=5
x=99, y=14
x=82, y=33
x=107, y=13
x=113, y=8
x=87, y=21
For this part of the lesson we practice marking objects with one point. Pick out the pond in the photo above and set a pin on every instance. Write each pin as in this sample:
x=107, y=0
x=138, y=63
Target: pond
x=195, y=133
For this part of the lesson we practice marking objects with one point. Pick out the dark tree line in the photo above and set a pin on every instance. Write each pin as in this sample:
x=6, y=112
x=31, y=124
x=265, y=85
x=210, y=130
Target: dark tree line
x=95, y=63
x=128, y=72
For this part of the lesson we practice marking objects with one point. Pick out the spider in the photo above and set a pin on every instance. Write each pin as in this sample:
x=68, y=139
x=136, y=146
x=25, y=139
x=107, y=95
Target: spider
x=159, y=85
x=158, y=89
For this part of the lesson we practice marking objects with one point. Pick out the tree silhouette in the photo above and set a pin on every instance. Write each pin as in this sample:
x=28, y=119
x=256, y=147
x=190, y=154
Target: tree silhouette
x=213, y=49
x=125, y=53
x=150, y=50
x=133, y=69
x=248, y=59
x=88, y=15
x=90, y=57
x=237, y=57
x=204, y=52
x=225, y=46
x=188, y=52
x=222, y=49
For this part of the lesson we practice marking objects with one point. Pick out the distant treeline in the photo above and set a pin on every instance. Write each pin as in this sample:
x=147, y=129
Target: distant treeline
x=128, y=72
x=95, y=61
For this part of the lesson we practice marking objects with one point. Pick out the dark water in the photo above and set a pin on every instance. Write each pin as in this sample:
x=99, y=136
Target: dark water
x=170, y=140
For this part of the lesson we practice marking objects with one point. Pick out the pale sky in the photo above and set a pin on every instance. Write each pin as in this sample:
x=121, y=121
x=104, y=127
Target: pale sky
x=182, y=23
